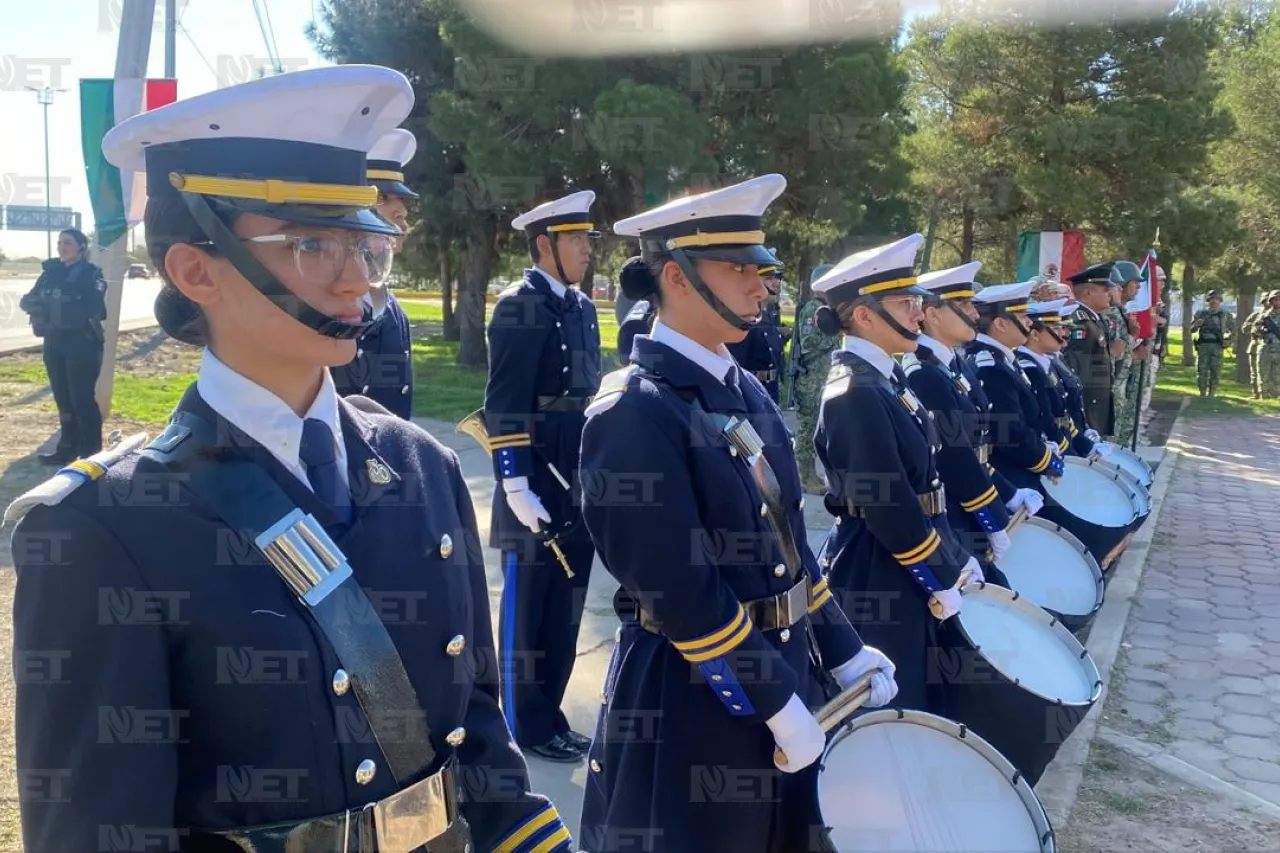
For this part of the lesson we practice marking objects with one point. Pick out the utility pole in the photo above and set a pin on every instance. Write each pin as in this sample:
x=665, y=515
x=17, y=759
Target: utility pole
x=170, y=38
x=44, y=96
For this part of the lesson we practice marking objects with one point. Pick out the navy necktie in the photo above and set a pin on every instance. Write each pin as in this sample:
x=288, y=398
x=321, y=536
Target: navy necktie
x=317, y=453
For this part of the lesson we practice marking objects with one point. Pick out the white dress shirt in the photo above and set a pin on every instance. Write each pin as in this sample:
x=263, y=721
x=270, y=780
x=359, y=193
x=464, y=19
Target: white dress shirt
x=1008, y=353
x=1042, y=360
x=557, y=287
x=945, y=354
x=266, y=418
x=717, y=363
x=869, y=352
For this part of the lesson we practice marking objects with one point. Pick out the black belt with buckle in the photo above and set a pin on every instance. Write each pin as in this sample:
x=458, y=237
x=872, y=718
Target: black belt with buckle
x=563, y=404
x=424, y=813
x=931, y=503
x=765, y=375
x=770, y=613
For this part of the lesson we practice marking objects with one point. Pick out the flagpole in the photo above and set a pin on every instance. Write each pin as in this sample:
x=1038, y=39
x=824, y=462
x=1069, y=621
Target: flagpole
x=1152, y=284
x=137, y=17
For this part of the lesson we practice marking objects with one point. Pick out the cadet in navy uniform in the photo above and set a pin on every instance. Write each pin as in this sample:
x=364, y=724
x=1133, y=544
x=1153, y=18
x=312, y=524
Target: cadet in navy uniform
x=270, y=629
x=727, y=626
x=544, y=367
x=1033, y=361
x=891, y=557
x=1020, y=450
x=760, y=352
x=639, y=320
x=383, y=367
x=934, y=371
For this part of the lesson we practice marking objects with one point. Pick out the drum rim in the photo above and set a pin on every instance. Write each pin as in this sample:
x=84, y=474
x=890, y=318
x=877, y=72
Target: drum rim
x=1054, y=624
x=957, y=731
x=1074, y=541
x=1125, y=453
x=1139, y=490
x=1130, y=497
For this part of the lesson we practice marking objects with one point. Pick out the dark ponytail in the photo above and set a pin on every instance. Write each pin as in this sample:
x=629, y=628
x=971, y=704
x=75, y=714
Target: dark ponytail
x=638, y=281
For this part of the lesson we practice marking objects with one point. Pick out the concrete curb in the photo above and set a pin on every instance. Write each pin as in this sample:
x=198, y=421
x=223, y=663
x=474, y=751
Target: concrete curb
x=1060, y=784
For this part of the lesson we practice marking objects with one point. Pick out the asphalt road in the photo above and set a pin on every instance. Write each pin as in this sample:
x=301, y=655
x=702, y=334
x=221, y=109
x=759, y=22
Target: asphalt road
x=15, y=331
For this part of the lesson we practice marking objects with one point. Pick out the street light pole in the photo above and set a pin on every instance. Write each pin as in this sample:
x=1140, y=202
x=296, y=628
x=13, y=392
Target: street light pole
x=44, y=97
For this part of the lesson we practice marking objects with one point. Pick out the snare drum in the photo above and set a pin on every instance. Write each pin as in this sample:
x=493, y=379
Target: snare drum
x=1096, y=503
x=1127, y=460
x=1014, y=674
x=911, y=782
x=1054, y=569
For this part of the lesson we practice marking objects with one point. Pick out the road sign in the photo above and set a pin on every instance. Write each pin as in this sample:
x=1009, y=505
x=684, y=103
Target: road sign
x=18, y=217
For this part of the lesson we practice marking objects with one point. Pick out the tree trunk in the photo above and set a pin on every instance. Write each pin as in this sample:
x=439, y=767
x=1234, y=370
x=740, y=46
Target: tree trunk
x=966, y=235
x=450, y=331
x=803, y=273
x=1239, y=343
x=473, y=285
x=1188, y=284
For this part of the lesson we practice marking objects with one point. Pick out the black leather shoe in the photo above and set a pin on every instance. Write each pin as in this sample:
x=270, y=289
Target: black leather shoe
x=577, y=739
x=558, y=750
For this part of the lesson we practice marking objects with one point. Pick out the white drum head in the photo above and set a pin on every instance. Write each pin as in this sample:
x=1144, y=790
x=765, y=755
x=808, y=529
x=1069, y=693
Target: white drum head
x=1091, y=495
x=1123, y=457
x=1027, y=645
x=911, y=785
x=1051, y=570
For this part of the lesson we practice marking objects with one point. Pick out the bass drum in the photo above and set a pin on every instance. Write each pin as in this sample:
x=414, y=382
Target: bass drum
x=910, y=782
x=1127, y=460
x=1096, y=502
x=1014, y=674
x=1053, y=569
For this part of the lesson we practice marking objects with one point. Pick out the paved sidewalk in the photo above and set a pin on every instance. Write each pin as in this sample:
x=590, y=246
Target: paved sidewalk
x=1199, y=673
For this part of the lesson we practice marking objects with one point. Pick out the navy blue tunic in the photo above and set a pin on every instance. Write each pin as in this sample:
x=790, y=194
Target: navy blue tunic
x=192, y=690
x=639, y=321
x=383, y=367
x=681, y=748
x=1073, y=397
x=760, y=353
x=884, y=556
x=1053, y=409
x=1018, y=446
x=544, y=364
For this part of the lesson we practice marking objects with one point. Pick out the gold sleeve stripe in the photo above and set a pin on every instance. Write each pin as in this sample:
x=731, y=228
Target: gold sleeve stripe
x=980, y=501
x=1043, y=463
x=522, y=833
x=718, y=643
x=922, y=551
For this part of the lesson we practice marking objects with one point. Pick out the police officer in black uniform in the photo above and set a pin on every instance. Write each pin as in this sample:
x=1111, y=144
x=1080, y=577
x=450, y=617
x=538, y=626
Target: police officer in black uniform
x=383, y=367
x=891, y=557
x=760, y=352
x=639, y=319
x=1020, y=450
x=269, y=629
x=728, y=628
x=544, y=367
x=975, y=506
x=66, y=308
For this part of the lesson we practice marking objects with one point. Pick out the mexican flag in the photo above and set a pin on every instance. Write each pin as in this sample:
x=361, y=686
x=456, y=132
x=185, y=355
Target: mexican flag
x=1052, y=254
x=1140, y=307
x=118, y=198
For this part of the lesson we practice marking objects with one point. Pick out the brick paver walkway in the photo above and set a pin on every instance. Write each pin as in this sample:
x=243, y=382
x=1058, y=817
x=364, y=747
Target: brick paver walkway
x=1201, y=665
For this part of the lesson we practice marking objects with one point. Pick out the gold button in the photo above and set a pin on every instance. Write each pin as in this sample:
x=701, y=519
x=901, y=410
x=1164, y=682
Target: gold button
x=456, y=737
x=779, y=570
x=341, y=682
x=595, y=766
x=456, y=645
x=446, y=546
x=733, y=451
x=365, y=771
x=785, y=635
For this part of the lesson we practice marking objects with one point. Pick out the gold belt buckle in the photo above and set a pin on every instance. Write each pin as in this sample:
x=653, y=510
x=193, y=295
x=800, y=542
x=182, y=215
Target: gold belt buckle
x=412, y=818
x=797, y=603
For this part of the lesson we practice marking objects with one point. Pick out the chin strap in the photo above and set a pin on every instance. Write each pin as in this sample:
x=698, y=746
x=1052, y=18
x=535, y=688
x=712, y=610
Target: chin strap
x=1022, y=330
x=268, y=285
x=690, y=272
x=968, y=321
x=555, y=256
x=876, y=306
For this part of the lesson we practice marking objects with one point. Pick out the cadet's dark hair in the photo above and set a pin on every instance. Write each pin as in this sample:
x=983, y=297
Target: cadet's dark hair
x=169, y=223
x=639, y=278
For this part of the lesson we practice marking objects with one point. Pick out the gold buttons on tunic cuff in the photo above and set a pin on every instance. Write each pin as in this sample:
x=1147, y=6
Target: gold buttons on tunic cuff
x=446, y=546
x=365, y=771
x=456, y=737
x=456, y=645
x=341, y=682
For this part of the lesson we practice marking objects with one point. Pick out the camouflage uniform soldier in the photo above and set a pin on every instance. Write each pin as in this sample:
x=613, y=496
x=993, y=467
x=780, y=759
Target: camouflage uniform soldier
x=1269, y=348
x=815, y=360
x=1123, y=281
x=1249, y=332
x=1213, y=327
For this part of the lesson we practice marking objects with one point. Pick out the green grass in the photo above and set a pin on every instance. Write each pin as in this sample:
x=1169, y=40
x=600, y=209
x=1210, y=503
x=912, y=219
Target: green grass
x=1233, y=399
x=146, y=399
x=1105, y=756
x=1126, y=804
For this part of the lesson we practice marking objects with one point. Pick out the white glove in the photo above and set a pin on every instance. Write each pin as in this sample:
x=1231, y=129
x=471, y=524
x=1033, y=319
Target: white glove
x=870, y=659
x=975, y=571
x=797, y=733
x=1103, y=448
x=944, y=604
x=1000, y=543
x=1029, y=498
x=1093, y=435
x=527, y=507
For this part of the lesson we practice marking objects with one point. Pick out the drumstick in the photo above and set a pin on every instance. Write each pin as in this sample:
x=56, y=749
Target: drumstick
x=1019, y=516
x=961, y=582
x=838, y=709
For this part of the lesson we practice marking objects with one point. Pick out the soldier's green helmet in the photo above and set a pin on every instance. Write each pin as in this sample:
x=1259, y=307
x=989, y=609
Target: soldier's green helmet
x=1123, y=272
x=819, y=271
